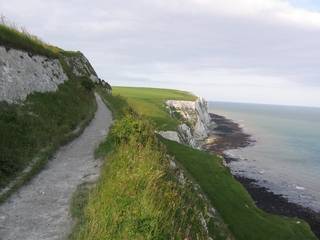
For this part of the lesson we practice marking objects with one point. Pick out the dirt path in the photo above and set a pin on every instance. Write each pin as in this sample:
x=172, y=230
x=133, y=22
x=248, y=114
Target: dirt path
x=40, y=209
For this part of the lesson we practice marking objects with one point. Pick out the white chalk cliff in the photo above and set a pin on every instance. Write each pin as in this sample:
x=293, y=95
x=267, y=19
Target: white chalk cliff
x=196, y=123
x=81, y=66
x=22, y=73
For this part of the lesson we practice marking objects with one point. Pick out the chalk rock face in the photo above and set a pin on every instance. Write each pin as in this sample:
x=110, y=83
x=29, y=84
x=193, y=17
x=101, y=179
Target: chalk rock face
x=81, y=66
x=185, y=108
x=171, y=135
x=203, y=120
x=22, y=73
x=197, y=116
x=186, y=135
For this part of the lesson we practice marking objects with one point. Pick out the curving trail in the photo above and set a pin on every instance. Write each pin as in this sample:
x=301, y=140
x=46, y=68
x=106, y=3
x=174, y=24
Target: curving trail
x=40, y=209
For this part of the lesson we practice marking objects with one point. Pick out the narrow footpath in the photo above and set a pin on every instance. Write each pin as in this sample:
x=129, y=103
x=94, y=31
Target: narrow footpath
x=40, y=209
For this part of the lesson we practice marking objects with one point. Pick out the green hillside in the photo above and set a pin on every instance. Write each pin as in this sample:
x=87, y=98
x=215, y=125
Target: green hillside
x=138, y=195
x=230, y=198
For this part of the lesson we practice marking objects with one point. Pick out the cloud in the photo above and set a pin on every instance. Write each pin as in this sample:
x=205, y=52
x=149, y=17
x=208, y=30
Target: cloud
x=236, y=50
x=280, y=11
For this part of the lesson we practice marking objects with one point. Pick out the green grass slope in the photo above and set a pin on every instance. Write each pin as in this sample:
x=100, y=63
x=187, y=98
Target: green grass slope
x=138, y=195
x=229, y=197
x=150, y=103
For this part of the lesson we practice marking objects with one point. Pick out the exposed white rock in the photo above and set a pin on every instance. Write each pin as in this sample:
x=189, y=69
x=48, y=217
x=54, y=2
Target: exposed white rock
x=186, y=135
x=201, y=106
x=197, y=116
x=173, y=165
x=22, y=73
x=185, y=108
x=81, y=66
x=171, y=135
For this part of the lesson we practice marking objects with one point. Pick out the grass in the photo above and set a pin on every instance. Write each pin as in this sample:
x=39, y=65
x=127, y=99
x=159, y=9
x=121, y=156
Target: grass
x=226, y=194
x=117, y=104
x=137, y=195
x=42, y=123
x=13, y=37
x=150, y=103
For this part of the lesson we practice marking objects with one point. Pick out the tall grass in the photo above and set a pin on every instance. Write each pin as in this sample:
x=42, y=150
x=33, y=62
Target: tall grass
x=136, y=196
x=13, y=36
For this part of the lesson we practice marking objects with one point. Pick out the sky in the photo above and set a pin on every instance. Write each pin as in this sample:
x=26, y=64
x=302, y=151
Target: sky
x=258, y=51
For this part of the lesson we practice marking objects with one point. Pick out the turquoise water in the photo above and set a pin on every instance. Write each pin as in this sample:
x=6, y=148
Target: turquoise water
x=286, y=156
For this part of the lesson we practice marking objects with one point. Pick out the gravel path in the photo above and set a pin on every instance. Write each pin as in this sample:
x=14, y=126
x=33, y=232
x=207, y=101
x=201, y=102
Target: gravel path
x=40, y=209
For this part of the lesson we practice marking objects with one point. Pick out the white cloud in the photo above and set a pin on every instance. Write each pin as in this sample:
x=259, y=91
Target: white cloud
x=231, y=50
x=280, y=11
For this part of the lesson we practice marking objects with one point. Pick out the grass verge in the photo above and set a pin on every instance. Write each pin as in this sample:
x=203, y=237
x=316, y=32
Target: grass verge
x=32, y=131
x=226, y=194
x=138, y=195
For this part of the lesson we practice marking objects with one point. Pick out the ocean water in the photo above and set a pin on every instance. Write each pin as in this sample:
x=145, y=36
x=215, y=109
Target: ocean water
x=286, y=155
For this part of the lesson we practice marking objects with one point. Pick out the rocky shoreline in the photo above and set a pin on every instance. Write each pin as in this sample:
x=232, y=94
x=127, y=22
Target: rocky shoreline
x=229, y=135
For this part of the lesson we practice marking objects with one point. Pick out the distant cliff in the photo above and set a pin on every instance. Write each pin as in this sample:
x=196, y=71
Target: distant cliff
x=196, y=123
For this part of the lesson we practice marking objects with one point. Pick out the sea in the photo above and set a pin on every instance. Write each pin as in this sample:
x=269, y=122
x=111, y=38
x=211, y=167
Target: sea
x=286, y=155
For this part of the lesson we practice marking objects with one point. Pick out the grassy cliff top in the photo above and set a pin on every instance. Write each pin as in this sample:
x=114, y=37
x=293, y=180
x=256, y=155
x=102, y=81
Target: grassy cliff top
x=12, y=37
x=150, y=102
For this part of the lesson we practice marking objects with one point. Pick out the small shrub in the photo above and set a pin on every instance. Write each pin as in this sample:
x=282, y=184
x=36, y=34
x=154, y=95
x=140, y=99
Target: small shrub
x=87, y=84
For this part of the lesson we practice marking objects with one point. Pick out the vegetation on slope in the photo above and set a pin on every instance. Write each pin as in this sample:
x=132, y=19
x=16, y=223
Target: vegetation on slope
x=227, y=195
x=138, y=195
x=13, y=37
x=38, y=126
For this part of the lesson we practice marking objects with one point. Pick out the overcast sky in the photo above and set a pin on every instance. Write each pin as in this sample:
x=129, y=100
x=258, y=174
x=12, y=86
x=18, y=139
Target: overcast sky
x=262, y=51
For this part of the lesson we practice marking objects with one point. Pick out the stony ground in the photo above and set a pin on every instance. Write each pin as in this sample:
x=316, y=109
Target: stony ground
x=40, y=209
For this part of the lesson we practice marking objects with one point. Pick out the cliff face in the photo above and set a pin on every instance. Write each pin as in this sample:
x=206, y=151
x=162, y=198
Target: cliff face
x=22, y=73
x=80, y=66
x=196, y=122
